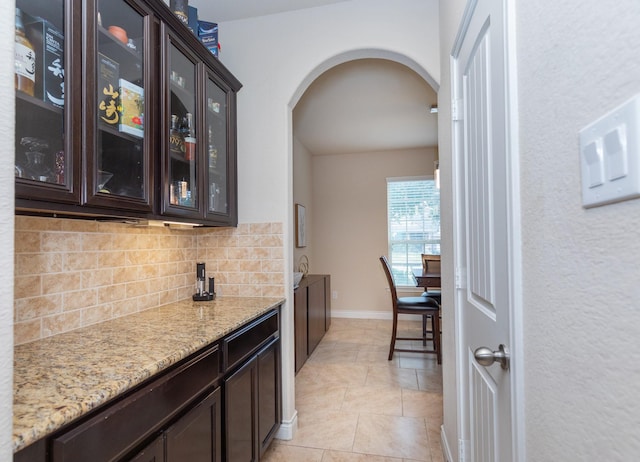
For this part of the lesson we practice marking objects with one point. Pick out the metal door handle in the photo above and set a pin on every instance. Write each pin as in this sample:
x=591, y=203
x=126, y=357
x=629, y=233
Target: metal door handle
x=486, y=357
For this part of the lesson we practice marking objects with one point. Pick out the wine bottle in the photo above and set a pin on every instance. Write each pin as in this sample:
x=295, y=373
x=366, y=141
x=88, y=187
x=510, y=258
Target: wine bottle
x=25, y=59
x=189, y=139
x=176, y=140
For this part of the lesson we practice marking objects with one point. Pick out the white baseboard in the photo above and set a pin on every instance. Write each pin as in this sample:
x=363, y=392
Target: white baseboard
x=446, y=450
x=385, y=315
x=288, y=428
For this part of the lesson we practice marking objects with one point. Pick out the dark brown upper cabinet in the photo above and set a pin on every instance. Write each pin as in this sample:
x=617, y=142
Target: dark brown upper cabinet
x=143, y=124
x=199, y=163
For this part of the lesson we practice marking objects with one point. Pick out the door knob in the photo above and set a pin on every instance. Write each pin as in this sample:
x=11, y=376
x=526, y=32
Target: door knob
x=486, y=357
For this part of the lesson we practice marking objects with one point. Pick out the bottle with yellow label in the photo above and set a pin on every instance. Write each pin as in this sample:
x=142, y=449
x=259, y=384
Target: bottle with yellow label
x=25, y=59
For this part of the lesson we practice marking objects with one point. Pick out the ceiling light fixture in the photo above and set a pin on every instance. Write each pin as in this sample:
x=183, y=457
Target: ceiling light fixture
x=434, y=109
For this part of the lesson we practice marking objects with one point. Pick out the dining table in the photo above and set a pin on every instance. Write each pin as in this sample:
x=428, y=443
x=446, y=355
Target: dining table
x=426, y=279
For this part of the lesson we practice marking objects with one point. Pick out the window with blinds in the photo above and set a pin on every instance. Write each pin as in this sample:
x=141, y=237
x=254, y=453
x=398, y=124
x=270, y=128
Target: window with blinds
x=413, y=218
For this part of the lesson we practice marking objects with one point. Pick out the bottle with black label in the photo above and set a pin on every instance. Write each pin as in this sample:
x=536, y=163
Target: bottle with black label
x=25, y=59
x=176, y=140
x=189, y=138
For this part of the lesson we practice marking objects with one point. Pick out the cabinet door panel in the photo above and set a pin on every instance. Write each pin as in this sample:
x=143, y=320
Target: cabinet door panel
x=240, y=414
x=182, y=176
x=269, y=392
x=197, y=436
x=47, y=131
x=152, y=453
x=119, y=93
x=220, y=141
x=300, y=315
x=316, y=313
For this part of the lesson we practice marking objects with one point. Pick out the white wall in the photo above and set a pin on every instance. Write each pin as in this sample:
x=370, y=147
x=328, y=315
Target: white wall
x=7, y=121
x=302, y=194
x=576, y=61
x=276, y=57
x=350, y=224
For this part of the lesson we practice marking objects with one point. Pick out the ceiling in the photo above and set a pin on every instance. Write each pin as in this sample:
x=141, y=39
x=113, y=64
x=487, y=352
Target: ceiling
x=360, y=106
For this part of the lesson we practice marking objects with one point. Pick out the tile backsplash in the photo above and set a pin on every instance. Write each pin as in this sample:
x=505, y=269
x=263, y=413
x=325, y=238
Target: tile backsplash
x=73, y=273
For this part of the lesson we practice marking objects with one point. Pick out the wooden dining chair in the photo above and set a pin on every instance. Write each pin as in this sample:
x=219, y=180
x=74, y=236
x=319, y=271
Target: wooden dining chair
x=431, y=264
x=422, y=306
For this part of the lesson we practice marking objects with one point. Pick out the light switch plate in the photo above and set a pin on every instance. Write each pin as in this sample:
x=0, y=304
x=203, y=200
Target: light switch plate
x=610, y=156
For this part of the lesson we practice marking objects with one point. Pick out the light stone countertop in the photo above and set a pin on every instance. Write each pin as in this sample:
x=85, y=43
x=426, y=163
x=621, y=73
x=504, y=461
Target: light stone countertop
x=60, y=378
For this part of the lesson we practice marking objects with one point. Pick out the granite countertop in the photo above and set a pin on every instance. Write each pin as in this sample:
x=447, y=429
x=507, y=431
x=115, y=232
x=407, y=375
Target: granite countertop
x=60, y=378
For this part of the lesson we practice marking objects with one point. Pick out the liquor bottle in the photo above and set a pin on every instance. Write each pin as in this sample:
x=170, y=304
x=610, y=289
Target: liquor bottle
x=180, y=9
x=25, y=59
x=176, y=140
x=213, y=151
x=189, y=139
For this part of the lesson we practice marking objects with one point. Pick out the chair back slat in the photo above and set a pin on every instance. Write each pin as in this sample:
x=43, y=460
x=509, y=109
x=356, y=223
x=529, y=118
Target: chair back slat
x=392, y=285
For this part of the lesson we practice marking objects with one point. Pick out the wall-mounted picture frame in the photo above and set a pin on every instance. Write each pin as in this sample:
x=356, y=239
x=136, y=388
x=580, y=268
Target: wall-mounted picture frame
x=301, y=231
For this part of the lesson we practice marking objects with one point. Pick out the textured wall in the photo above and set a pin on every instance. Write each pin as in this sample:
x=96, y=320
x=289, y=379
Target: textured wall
x=7, y=29
x=577, y=60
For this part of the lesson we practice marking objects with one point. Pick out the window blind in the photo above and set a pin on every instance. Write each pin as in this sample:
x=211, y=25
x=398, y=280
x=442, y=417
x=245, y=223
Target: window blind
x=413, y=218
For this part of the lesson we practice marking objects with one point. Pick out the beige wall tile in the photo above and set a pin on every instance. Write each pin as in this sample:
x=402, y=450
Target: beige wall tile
x=60, y=242
x=61, y=282
x=71, y=273
x=79, y=299
x=97, y=314
x=37, y=307
x=27, y=286
x=52, y=325
x=27, y=241
x=28, y=331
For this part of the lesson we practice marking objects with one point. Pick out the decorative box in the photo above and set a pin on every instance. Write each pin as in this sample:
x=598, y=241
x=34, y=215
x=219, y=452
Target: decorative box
x=193, y=19
x=131, y=109
x=48, y=43
x=208, y=35
x=108, y=90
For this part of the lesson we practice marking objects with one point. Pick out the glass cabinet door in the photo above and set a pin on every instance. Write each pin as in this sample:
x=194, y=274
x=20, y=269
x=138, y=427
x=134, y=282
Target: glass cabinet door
x=182, y=179
x=119, y=168
x=44, y=142
x=217, y=148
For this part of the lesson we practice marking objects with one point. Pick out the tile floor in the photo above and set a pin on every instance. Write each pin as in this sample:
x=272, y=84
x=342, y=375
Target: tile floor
x=355, y=406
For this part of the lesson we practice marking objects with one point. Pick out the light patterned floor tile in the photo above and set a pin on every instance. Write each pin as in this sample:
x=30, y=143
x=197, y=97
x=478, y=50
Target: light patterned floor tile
x=373, y=400
x=325, y=429
x=356, y=406
x=385, y=376
x=392, y=436
x=339, y=456
x=284, y=453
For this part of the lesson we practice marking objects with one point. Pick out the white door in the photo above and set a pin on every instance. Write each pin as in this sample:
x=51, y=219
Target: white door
x=485, y=240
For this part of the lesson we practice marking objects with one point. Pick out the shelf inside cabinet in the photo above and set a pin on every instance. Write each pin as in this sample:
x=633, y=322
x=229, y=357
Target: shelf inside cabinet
x=39, y=103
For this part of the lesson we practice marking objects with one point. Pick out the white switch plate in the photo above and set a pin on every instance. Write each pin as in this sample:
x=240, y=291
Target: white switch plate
x=610, y=156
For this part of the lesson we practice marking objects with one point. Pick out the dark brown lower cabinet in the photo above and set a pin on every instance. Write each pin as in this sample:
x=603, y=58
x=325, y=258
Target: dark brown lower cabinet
x=154, y=452
x=178, y=415
x=252, y=405
x=197, y=437
x=312, y=314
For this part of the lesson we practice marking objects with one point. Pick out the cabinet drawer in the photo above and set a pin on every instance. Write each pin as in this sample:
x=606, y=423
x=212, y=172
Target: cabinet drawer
x=248, y=340
x=113, y=432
